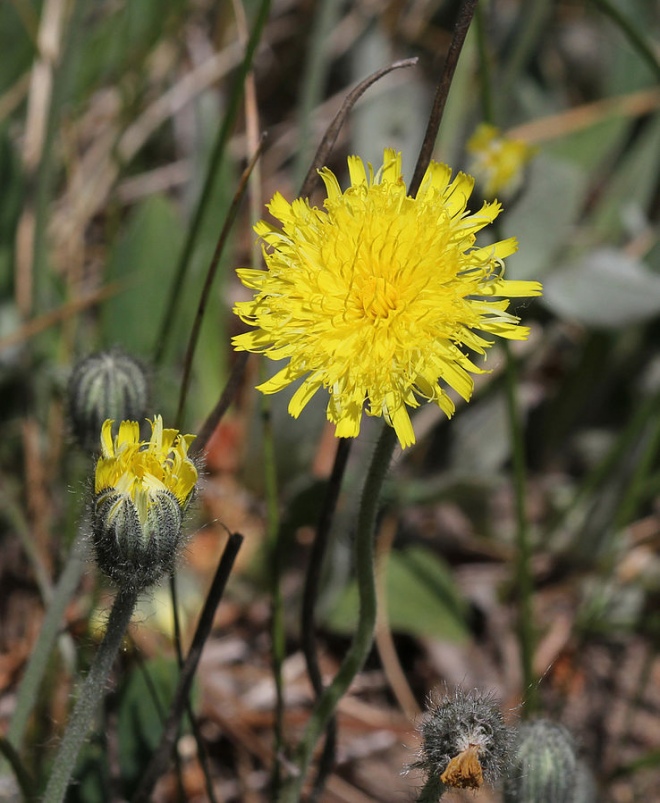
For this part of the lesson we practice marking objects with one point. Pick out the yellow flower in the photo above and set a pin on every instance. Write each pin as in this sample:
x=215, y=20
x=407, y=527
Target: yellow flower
x=140, y=469
x=141, y=491
x=373, y=298
x=497, y=161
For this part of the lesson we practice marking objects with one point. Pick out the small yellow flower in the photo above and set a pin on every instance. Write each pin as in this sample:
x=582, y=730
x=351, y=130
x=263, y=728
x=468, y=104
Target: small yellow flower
x=497, y=161
x=142, y=489
x=373, y=298
x=139, y=469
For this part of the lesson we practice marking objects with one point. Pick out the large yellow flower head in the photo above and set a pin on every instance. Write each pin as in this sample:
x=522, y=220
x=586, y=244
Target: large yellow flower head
x=374, y=298
x=142, y=489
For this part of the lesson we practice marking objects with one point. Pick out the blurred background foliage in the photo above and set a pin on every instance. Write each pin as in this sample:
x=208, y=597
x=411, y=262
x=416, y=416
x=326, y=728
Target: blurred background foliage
x=115, y=183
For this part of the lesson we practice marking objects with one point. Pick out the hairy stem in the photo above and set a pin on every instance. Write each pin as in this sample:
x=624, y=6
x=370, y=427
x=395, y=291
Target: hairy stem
x=363, y=639
x=90, y=696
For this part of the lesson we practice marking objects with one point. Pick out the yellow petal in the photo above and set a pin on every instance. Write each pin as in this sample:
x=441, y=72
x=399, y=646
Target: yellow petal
x=107, y=443
x=356, y=171
x=302, y=396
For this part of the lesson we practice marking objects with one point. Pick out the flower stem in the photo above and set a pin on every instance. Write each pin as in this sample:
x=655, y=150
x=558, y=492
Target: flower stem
x=363, y=639
x=310, y=594
x=314, y=75
x=180, y=701
x=90, y=696
x=524, y=579
x=465, y=14
x=532, y=23
x=38, y=663
x=275, y=546
x=432, y=791
x=634, y=35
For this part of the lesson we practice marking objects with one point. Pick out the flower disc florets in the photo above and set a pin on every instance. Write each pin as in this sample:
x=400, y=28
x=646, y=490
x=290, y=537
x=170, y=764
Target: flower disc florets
x=142, y=489
x=374, y=298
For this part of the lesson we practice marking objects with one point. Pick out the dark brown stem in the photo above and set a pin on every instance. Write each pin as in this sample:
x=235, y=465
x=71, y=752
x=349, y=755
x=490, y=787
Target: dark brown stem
x=465, y=14
x=310, y=595
x=226, y=398
x=210, y=276
x=330, y=136
x=160, y=758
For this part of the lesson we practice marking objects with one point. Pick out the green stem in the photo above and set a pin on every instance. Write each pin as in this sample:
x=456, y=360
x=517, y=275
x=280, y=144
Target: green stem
x=217, y=155
x=533, y=21
x=310, y=595
x=278, y=632
x=46, y=170
x=432, y=791
x=208, y=283
x=314, y=75
x=23, y=778
x=636, y=38
x=524, y=578
x=644, y=462
x=485, y=89
x=599, y=474
x=363, y=639
x=29, y=689
x=90, y=696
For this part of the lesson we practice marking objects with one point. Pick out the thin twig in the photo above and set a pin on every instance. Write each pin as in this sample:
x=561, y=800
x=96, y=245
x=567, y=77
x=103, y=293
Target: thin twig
x=159, y=759
x=39, y=324
x=332, y=132
x=636, y=37
x=275, y=546
x=23, y=777
x=217, y=156
x=389, y=658
x=208, y=282
x=363, y=638
x=310, y=595
x=465, y=15
x=226, y=398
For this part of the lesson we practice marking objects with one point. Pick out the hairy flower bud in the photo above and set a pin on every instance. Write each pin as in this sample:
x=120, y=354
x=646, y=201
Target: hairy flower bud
x=544, y=766
x=106, y=385
x=142, y=490
x=464, y=742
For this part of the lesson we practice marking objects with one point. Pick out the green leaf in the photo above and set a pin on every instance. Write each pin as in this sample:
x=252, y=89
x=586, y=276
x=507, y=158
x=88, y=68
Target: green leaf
x=633, y=186
x=141, y=716
x=544, y=216
x=422, y=599
x=143, y=262
x=607, y=289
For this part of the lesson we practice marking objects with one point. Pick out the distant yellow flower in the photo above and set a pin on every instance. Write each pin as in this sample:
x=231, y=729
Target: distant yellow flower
x=497, y=161
x=373, y=297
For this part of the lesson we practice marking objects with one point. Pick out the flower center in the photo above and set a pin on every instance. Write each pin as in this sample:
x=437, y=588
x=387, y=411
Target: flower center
x=377, y=298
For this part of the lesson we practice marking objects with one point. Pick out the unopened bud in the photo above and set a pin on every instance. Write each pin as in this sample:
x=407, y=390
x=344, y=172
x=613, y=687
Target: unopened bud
x=544, y=766
x=464, y=742
x=142, y=490
x=106, y=385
